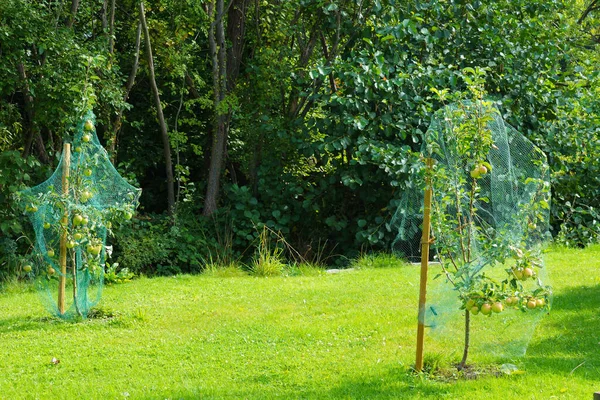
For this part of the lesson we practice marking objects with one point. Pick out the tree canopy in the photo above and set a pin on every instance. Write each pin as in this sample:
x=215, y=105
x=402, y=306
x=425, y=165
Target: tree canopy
x=303, y=116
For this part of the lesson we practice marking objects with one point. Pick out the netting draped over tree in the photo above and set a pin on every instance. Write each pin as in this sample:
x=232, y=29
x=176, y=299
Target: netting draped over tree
x=71, y=213
x=490, y=220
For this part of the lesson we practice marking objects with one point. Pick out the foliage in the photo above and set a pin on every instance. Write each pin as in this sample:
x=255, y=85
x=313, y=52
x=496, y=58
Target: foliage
x=329, y=100
x=111, y=276
x=573, y=145
x=15, y=173
x=153, y=245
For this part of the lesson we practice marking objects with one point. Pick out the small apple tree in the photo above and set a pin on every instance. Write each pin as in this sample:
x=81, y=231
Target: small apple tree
x=71, y=213
x=490, y=206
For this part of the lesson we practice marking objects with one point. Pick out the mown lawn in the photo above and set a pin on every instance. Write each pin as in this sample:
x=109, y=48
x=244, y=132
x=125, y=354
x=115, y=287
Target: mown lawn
x=346, y=335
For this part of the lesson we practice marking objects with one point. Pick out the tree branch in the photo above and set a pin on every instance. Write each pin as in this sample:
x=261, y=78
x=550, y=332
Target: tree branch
x=593, y=6
x=128, y=86
x=161, y=117
x=74, y=7
x=111, y=28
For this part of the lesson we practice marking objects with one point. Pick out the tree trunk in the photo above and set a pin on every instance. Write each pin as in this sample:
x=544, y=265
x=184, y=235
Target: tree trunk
x=226, y=66
x=236, y=29
x=161, y=118
x=111, y=28
x=216, y=38
x=463, y=362
x=28, y=99
x=31, y=132
x=103, y=15
x=112, y=148
x=74, y=7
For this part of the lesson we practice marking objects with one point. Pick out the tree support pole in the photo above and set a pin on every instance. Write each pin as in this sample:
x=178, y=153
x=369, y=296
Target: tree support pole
x=66, y=166
x=425, y=241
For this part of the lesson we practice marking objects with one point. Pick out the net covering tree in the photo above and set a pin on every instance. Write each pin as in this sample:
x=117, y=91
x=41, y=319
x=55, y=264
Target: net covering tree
x=490, y=220
x=71, y=213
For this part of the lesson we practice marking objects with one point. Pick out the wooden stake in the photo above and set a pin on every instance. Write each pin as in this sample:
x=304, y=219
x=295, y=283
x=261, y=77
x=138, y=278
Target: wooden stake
x=63, y=236
x=597, y=396
x=424, y=266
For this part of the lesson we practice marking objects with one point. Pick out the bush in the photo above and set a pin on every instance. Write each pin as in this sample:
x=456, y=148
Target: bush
x=152, y=245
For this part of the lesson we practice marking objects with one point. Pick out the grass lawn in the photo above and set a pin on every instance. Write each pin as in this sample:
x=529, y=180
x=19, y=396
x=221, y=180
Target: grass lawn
x=346, y=335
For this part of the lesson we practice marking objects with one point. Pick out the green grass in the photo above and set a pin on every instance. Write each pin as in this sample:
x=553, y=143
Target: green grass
x=317, y=336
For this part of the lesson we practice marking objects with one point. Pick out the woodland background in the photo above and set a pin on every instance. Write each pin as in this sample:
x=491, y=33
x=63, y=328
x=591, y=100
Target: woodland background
x=299, y=115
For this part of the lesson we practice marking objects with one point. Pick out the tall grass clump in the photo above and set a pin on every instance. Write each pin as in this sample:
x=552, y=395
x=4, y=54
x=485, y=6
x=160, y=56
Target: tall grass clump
x=268, y=260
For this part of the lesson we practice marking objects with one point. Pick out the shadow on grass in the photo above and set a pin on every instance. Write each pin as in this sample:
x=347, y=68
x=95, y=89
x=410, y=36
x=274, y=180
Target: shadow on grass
x=394, y=383
x=575, y=346
x=97, y=317
x=29, y=323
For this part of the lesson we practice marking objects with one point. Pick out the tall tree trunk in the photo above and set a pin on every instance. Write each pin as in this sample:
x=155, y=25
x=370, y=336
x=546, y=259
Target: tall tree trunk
x=236, y=29
x=31, y=132
x=226, y=66
x=111, y=28
x=103, y=15
x=28, y=99
x=161, y=118
x=216, y=38
x=74, y=7
x=112, y=148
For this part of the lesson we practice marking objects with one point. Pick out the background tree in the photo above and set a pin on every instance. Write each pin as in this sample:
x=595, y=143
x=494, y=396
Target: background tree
x=307, y=124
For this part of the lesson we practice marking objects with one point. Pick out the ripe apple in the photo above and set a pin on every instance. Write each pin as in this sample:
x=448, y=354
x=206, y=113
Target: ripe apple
x=78, y=149
x=89, y=125
x=77, y=220
x=128, y=215
x=474, y=310
x=32, y=208
x=87, y=172
x=51, y=271
x=486, y=309
x=94, y=250
x=27, y=268
x=531, y=304
x=70, y=244
x=78, y=236
x=540, y=303
x=527, y=273
x=50, y=253
x=47, y=225
x=518, y=273
x=497, y=307
x=86, y=195
x=469, y=304
x=482, y=170
x=475, y=174
x=86, y=138
x=85, y=221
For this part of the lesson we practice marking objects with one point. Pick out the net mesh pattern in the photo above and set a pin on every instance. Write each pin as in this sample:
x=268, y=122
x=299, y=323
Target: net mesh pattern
x=504, y=235
x=79, y=214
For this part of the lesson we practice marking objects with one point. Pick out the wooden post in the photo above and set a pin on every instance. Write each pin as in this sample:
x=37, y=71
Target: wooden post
x=597, y=396
x=424, y=265
x=66, y=166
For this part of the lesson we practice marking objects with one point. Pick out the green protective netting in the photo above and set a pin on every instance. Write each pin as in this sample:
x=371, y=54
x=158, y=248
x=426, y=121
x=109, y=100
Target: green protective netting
x=97, y=197
x=509, y=227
